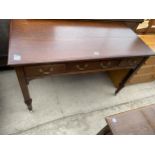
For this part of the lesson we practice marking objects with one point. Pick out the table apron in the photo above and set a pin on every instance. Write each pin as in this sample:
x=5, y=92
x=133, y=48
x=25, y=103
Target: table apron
x=36, y=71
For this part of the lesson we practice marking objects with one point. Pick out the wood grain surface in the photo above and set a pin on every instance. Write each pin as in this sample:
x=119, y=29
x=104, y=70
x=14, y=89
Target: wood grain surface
x=44, y=41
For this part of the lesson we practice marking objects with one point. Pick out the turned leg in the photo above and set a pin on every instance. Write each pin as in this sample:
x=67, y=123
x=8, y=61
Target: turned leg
x=24, y=87
x=130, y=75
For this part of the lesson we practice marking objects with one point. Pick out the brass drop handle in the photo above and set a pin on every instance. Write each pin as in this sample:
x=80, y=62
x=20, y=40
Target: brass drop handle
x=40, y=70
x=51, y=69
x=106, y=64
x=102, y=65
x=81, y=68
x=46, y=72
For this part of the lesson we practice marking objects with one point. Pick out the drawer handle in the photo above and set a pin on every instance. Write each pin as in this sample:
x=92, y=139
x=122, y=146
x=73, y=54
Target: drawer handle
x=81, y=68
x=40, y=70
x=105, y=65
x=134, y=62
x=51, y=69
x=102, y=65
x=47, y=72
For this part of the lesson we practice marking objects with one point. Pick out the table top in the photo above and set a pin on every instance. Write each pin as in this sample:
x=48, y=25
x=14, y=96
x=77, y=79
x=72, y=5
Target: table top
x=133, y=122
x=44, y=41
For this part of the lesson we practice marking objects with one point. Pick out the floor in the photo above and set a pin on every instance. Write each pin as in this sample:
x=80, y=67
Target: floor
x=70, y=104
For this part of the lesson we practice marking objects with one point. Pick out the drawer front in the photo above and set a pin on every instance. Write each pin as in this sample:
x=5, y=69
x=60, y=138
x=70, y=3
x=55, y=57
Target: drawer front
x=103, y=64
x=146, y=70
x=109, y=64
x=150, y=61
x=142, y=78
x=90, y=66
x=43, y=70
x=85, y=66
x=82, y=66
x=130, y=62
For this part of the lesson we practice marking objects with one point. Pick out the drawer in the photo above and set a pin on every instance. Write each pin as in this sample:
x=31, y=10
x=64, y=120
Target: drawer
x=82, y=66
x=90, y=66
x=150, y=61
x=43, y=70
x=109, y=63
x=141, y=78
x=146, y=70
x=130, y=62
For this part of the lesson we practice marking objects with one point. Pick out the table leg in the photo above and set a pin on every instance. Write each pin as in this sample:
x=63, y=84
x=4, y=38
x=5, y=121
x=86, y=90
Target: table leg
x=24, y=87
x=129, y=75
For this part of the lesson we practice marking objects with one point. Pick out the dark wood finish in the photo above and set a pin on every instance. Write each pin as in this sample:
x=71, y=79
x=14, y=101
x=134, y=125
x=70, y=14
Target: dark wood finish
x=134, y=122
x=60, y=41
x=47, y=47
x=132, y=23
x=36, y=71
x=43, y=70
x=24, y=87
x=4, y=36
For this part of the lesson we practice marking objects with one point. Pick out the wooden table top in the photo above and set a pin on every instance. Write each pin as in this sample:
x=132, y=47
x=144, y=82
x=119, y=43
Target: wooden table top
x=43, y=41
